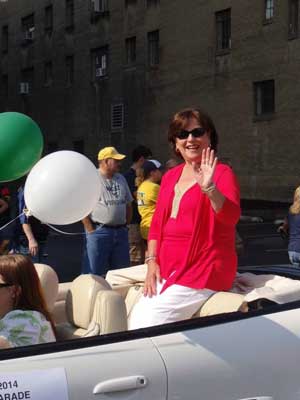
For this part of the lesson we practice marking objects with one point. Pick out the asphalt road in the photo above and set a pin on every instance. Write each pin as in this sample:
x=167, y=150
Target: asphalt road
x=262, y=246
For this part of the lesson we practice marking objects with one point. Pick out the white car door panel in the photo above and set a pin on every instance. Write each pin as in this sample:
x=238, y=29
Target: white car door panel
x=255, y=358
x=126, y=370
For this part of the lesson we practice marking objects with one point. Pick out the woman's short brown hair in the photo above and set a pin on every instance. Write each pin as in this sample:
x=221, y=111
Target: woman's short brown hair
x=19, y=270
x=180, y=120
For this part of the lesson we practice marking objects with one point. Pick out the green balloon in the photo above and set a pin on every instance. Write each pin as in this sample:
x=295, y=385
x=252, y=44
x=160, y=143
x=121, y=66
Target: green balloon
x=21, y=145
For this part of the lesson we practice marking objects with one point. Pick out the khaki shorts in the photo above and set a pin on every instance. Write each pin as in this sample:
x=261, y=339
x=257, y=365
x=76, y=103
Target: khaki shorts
x=136, y=245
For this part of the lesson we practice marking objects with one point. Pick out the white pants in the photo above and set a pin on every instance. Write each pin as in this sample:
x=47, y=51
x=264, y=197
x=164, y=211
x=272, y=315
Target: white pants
x=174, y=304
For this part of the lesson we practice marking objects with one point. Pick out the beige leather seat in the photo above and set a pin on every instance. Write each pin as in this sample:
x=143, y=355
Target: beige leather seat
x=49, y=283
x=92, y=308
x=128, y=282
x=218, y=303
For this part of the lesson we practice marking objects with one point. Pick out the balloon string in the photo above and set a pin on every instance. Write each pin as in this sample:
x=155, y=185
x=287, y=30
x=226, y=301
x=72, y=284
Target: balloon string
x=10, y=222
x=65, y=233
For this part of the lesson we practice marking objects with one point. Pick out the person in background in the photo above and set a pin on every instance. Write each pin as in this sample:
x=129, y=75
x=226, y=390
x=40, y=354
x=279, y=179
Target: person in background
x=171, y=163
x=106, y=229
x=137, y=248
x=24, y=317
x=30, y=234
x=147, y=180
x=191, y=243
x=6, y=233
x=291, y=227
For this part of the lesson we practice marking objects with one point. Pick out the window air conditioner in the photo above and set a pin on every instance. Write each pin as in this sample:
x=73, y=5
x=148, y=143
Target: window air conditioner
x=24, y=88
x=97, y=6
x=100, y=72
x=29, y=34
x=100, y=6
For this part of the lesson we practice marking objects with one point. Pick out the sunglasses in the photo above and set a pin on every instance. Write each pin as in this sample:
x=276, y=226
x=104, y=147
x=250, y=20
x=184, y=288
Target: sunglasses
x=5, y=285
x=197, y=132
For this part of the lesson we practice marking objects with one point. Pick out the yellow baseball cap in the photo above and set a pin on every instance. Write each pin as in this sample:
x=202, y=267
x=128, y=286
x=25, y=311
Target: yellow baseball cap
x=110, y=152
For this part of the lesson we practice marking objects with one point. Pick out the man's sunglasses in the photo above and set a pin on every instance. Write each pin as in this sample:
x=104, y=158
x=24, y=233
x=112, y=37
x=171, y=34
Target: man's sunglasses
x=197, y=132
x=5, y=285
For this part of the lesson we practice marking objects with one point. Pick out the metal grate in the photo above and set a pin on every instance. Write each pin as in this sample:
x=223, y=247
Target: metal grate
x=117, y=116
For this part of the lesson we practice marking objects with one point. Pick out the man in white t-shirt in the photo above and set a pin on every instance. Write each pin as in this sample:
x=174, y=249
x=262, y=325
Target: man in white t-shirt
x=106, y=227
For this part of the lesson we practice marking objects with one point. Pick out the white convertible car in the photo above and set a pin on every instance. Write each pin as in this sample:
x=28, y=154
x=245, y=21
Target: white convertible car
x=243, y=344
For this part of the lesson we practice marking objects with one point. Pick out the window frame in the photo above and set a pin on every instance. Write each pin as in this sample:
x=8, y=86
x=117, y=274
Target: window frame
x=223, y=31
x=152, y=3
x=130, y=51
x=153, y=45
x=28, y=76
x=264, y=99
x=48, y=19
x=97, y=54
x=293, y=19
x=48, y=73
x=28, y=29
x=4, y=39
x=70, y=70
x=268, y=8
x=69, y=15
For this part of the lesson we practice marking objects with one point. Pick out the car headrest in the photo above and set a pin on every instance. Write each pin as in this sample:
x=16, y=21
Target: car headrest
x=81, y=298
x=49, y=283
x=222, y=302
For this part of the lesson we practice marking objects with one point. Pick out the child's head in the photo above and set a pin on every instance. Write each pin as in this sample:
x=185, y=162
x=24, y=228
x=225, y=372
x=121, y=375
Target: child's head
x=151, y=170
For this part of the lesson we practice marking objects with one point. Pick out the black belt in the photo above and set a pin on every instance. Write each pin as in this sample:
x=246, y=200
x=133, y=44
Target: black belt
x=109, y=226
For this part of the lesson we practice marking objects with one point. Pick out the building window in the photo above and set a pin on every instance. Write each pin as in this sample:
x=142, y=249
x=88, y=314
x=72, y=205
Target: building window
x=49, y=19
x=48, y=73
x=78, y=145
x=69, y=70
x=4, y=88
x=99, y=6
x=99, y=62
x=4, y=39
x=130, y=3
x=69, y=15
x=117, y=117
x=293, y=18
x=27, y=81
x=269, y=10
x=28, y=29
x=151, y=3
x=130, y=45
x=264, y=97
x=153, y=48
x=223, y=30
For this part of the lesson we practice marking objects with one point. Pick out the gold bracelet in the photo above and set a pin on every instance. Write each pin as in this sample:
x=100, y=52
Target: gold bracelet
x=209, y=189
x=150, y=258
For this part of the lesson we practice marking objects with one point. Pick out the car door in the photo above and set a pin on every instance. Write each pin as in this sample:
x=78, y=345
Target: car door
x=125, y=370
x=255, y=358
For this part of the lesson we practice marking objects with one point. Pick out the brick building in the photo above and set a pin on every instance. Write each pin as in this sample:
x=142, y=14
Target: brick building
x=99, y=72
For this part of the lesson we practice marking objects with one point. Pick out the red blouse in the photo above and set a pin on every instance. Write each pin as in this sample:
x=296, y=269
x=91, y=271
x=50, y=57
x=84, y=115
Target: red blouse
x=197, y=248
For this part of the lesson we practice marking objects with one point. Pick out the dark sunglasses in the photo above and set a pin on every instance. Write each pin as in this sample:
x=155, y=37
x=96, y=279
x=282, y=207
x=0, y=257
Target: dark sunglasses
x=5, y=285
x=197, y=132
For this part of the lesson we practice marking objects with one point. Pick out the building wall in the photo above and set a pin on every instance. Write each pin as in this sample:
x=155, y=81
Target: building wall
x=264, y=152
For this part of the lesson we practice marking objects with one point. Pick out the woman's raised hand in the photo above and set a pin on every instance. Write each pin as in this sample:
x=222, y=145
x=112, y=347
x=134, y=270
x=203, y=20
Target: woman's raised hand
x=204, y=172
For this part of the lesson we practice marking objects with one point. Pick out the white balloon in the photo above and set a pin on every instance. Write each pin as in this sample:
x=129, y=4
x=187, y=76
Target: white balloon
x=62, y=188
